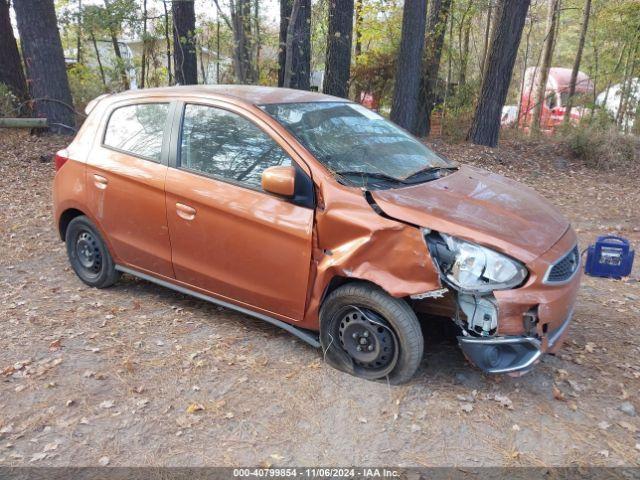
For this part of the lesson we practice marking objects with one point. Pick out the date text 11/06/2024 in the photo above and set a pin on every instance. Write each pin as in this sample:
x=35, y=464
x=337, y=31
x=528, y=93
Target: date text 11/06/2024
x=315, y=473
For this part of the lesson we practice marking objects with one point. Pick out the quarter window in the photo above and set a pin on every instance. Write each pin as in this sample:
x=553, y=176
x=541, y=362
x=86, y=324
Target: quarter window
x=138, y=129
x=225, y=145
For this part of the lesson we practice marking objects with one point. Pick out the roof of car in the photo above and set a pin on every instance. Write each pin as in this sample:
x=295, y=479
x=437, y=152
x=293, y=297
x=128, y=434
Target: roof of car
x=253, y=94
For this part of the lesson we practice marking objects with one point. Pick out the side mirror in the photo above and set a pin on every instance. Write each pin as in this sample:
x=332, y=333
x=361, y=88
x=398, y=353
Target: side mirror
x=279, y=180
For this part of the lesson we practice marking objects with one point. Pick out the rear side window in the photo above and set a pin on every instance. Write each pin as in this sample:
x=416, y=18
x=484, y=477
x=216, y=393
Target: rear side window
x=225, y=145
x=138, y=129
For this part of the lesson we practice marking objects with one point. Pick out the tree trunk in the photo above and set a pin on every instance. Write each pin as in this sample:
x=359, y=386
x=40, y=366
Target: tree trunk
x=167, y=38
x=185, y=64
x=576, y=63
x=241, y=25
x=285, y=15
x=288, y=64
x=436, y=30
x=122, y=68
x=487, y=31
x=143, y=61
x=44, y=60
x=100, y=67
x=79, y=33
x=257, y=35
x=297, y=72
x=11, y=72
x=464, y=54
x=358, y=34
x=404, y=109
x=524, y=70
x=485, y=128
x=338, y=59
x=547, y=56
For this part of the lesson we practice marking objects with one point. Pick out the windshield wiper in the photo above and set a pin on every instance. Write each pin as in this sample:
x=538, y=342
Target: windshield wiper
x=430, y=170
x=376, y=175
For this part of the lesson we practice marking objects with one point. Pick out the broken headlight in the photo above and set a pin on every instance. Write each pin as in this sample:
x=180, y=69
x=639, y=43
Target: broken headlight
x=472, y=268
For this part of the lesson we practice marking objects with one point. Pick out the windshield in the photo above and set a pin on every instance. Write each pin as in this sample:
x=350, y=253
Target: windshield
x=358, y=145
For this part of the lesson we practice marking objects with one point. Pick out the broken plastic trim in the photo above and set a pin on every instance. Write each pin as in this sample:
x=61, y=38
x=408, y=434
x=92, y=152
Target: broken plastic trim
x=508, y=354
x=501, y=354
x=305, y=335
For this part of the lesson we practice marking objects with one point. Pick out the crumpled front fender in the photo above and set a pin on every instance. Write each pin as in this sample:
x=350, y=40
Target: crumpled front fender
x=352, y=241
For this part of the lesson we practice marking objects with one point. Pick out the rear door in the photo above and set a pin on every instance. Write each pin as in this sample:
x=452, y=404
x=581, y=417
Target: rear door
x=229, y=237
x=125, y=179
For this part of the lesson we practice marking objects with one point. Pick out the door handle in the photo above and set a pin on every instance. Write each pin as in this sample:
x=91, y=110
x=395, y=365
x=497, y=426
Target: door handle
x=185, y=211
x=100, y=181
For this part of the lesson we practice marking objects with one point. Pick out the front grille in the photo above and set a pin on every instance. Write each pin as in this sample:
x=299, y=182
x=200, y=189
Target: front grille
x=563, y=269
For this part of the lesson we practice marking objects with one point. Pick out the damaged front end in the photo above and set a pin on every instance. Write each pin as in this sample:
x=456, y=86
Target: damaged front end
x=473, y=273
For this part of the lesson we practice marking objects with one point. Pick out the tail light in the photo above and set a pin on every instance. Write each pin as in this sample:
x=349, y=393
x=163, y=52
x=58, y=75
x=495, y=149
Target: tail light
x=60, y=158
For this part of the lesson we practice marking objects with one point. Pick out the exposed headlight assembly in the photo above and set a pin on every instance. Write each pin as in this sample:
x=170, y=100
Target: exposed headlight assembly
x=471, y=268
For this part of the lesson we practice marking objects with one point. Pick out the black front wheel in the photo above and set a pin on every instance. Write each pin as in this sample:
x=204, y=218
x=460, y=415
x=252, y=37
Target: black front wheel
x=370, y=334
x=88, y=254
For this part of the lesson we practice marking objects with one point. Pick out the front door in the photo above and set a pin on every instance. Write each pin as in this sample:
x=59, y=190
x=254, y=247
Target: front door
x=125, y=185
x=229, y=237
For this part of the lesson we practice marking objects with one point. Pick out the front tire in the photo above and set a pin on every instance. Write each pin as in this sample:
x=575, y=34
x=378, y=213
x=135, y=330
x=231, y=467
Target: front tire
x=368, y=333
x=88, y=254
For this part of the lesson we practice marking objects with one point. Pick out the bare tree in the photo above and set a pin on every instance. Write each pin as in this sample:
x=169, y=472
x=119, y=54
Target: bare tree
x=285, y=15
x=114, y=24
x=436, y=30
x=576, y=64
x=338, y=59
x=240, y=22
x=11, y=72
x=44, y=60
x=185, y=64
x=404, y=109
x=485, y=127
x=143, y=60
x=542, y=74
x=297, y=50
x=167, y=39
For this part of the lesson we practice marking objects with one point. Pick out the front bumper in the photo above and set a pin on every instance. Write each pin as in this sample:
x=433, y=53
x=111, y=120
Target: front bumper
x=510, y=354
x=516, y=346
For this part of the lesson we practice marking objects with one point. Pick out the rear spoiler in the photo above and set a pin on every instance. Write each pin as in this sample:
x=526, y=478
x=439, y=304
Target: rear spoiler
x=92, y=104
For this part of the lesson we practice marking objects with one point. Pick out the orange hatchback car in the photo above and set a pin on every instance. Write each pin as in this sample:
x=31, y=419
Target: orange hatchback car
x=319, y=216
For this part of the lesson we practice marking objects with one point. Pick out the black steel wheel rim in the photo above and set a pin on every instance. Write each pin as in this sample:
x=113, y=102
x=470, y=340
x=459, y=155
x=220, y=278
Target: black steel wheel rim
x=368, y=340
x=88, y=253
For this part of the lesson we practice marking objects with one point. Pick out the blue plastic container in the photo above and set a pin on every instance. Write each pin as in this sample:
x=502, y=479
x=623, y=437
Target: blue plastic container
x=609, y=257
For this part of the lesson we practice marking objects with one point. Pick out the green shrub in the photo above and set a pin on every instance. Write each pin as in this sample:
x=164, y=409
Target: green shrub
x=85, y=84
x=601, y=147
x=8, y=102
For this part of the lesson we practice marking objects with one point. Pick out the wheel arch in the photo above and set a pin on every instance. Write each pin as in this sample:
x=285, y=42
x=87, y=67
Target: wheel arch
x=65, y=219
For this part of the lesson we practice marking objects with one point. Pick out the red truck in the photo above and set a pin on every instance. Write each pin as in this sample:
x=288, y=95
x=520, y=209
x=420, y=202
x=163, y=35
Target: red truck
x=556, y=97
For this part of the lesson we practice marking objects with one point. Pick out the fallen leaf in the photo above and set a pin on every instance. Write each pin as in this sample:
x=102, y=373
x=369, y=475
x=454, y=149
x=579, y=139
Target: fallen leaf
x=195, y=407
x=38, y=456
x=558, y=395
x=50, y=446
x=107, y=404
x=628, y=426
x=504, y=401
x=466, y=407
x=104, y=461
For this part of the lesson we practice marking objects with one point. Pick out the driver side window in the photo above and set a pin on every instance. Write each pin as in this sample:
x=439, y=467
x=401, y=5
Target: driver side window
x=227, y=146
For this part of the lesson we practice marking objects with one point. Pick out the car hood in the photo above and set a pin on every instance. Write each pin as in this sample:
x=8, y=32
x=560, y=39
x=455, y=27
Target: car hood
x=482, y=207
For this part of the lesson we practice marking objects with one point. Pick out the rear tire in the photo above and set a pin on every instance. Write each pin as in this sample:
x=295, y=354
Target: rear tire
x=370, y=334
x=88, y=254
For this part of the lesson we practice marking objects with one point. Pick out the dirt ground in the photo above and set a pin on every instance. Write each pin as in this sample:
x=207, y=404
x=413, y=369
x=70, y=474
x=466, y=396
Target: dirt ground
x=139, y=375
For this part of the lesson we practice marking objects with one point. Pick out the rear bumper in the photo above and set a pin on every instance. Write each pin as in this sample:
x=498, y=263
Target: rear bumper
x=512, y=353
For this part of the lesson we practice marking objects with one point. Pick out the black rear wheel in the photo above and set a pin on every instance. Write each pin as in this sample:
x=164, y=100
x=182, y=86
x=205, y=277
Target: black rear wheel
x=368, y=333
x=88, y=254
